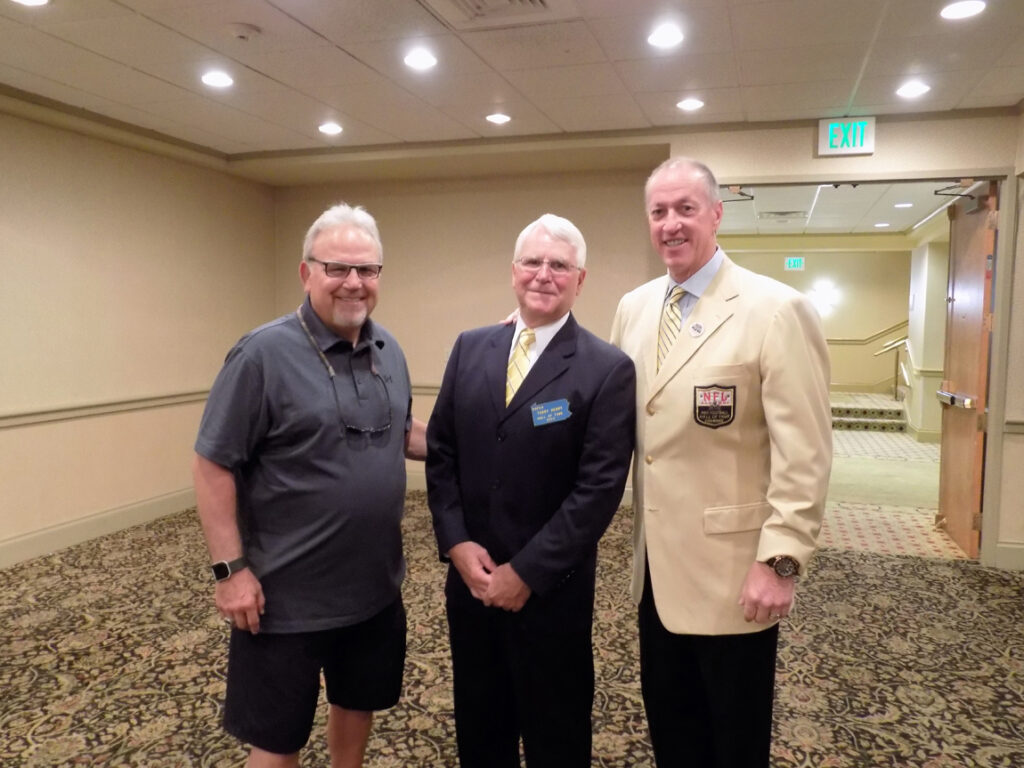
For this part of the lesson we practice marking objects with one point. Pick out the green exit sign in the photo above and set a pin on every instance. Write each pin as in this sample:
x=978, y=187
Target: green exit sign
x=846, y=136
x=795, y=263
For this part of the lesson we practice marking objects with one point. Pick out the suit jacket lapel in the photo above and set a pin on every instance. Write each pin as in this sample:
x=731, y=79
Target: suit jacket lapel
x=553, y=362
x=711, y=311
x=496, y=365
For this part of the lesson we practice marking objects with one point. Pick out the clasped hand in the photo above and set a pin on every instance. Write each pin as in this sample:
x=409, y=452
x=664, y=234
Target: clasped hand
x=494, y=585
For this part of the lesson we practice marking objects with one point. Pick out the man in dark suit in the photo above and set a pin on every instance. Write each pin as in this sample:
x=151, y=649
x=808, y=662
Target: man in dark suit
x=529, y=446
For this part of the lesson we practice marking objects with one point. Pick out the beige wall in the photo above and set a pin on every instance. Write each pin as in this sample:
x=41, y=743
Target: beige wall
x=126, y=277
x=448, y=250
x=874, y=286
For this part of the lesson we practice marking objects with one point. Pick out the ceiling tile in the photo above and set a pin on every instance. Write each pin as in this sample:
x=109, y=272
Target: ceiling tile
x=567, y=82
x=63, y=11
x=526, y=119
x=474, y=88
x=222, y=119
x=720, y=105
x=935, y=53
x=794, y=96
x=548, y=45
x=310, y=70
x=655, y=9
x=910, y=18
x=396, y=111
x=947, y=89
x=792, y=23
x=360, y=20
x=1013, y=54
x=388, y=57
x=705, y=30
x=800, y=65
x=130, y=39
x=683, y=72
x=595, y=113
x=214, y=25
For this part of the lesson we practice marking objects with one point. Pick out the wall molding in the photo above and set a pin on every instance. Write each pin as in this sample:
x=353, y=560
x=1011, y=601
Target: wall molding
x=48, y=540
x=869, y=339
x=71, y=413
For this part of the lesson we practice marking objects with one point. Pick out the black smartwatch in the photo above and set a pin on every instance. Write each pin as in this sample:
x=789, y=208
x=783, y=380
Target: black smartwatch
x=225, y=568
x=784, y=566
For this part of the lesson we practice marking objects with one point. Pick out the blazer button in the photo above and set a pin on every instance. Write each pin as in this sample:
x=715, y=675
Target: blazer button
x=501, y=436
x=650, y=410
x=649, y=459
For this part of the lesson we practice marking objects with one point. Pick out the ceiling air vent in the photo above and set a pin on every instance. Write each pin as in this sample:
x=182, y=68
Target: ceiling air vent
x=465, y=15
x=782, y=217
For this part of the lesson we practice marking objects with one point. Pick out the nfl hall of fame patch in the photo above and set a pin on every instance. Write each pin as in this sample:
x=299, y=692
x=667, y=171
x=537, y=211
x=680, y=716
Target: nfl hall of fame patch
x=714, y=406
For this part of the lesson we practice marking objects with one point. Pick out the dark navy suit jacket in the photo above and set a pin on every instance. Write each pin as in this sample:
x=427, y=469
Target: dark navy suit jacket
x=537, y=495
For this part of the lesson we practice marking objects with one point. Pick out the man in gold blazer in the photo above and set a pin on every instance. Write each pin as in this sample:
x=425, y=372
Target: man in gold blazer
x=730, y=474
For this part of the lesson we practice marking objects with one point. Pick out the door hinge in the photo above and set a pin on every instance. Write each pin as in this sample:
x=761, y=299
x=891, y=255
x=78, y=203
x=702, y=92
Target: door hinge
x=987, y=322
x=983, y=422
x=976, y=522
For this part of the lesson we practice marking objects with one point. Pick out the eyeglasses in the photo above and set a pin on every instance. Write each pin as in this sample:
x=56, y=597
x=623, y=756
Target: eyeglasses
x=381, y=405
x=340, y=269
x=374, y=403
x=557, y=266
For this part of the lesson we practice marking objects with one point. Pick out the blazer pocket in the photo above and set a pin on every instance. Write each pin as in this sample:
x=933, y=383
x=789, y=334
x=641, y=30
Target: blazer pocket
x=734, y=519
x=730, y=372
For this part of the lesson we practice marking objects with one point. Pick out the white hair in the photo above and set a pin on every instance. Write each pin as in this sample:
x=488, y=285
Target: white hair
x=559, y=229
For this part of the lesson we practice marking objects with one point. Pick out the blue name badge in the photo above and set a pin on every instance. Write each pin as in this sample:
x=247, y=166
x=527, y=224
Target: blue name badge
x=549, y=413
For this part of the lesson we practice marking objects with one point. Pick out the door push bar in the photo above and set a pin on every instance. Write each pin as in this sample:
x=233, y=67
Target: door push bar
x=955, y=400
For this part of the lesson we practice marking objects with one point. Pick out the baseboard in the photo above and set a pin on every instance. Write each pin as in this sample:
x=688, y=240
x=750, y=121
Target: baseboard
x=49, y=540
x=416, y=480
x=924, y=435
x=1009, y=557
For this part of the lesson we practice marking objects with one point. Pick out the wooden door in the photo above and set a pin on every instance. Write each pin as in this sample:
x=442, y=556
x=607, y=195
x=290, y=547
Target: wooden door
x=972, y=247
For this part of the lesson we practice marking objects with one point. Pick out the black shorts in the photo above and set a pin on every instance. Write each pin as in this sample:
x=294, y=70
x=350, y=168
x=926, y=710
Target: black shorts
x=274, y=680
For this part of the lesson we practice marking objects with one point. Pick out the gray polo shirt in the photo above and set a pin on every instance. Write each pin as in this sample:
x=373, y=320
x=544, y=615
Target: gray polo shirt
x=319, y=503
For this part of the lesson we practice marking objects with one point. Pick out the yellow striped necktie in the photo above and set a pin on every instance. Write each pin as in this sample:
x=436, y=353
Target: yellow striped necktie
x=671, y=322
x=519, y=365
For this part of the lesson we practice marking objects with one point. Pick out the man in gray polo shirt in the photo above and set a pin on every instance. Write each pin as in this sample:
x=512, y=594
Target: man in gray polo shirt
x=300, y=483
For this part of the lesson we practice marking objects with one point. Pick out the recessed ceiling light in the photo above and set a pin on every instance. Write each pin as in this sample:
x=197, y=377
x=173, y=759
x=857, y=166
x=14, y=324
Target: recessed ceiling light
x=912, y=89
x=498, y=118
x=32, y=3
x=217, y=79
x=690, y=105
x=331, y=129
x=903, y=205
x=420, y=58
x=881, y=225
x=962, y=10
x=667, y=35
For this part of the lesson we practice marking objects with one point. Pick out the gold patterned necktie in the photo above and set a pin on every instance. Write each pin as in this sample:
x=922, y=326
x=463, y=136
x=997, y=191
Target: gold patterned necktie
x=671, y=322
x=519, y=365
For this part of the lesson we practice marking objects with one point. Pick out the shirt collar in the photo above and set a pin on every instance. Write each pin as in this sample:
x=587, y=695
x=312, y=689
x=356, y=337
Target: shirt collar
x=543, y=334
x=698, y=282
x=326, y=338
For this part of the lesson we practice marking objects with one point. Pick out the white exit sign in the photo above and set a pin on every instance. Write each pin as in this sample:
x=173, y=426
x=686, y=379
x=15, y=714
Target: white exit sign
x=846, y=136
x=795, y=263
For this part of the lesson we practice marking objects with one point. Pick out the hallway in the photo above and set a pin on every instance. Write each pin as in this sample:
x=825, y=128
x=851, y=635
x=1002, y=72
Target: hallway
x=884, y=490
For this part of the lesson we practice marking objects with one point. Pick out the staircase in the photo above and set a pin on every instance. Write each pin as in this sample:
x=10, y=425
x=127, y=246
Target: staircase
x=869, y=416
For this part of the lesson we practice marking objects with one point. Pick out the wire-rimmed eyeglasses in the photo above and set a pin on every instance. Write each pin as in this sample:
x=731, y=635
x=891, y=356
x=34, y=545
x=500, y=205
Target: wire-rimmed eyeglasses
x=344, y=426
x=340, y=269
x=534, y=264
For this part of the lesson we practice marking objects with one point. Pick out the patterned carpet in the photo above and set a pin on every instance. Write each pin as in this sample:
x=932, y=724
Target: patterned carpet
x=111, y=655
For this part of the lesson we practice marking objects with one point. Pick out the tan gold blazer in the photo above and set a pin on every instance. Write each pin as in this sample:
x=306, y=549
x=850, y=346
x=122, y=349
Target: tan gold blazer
x=734, y=442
